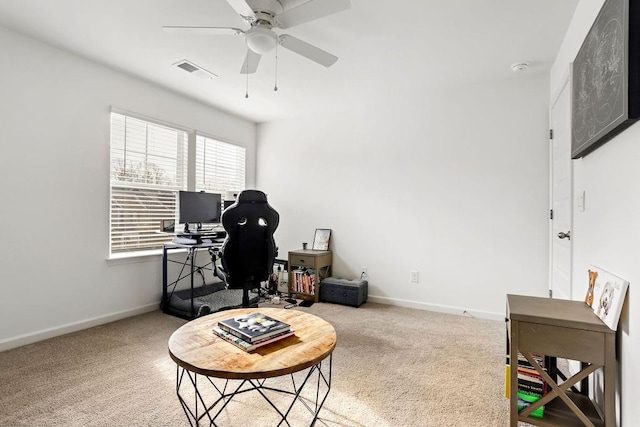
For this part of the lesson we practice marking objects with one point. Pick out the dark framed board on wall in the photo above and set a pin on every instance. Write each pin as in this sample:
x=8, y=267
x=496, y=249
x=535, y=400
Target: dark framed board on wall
x=605, y=78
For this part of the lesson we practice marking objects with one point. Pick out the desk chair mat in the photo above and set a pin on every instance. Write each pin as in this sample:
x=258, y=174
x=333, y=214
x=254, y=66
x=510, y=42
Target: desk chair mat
x=208, y=299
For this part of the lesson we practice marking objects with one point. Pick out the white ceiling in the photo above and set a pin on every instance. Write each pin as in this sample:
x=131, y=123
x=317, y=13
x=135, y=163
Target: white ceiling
x=381, y=45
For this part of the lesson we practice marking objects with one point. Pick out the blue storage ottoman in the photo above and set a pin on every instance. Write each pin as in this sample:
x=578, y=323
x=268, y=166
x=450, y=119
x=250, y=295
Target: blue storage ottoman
x=343, y=291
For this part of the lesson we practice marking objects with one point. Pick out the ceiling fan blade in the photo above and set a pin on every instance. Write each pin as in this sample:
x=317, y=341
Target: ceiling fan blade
x=307, y=50
x=251, y=61
x=311, y=10
x=223, y=31
x=243, y=9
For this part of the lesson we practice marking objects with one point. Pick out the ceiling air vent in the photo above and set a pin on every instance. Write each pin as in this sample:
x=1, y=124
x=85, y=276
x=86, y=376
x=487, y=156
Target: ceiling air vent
x=195, y=70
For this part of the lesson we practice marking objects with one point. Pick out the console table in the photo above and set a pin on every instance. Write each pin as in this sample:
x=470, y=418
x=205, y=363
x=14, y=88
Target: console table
x=566, y=329
x=203, y=359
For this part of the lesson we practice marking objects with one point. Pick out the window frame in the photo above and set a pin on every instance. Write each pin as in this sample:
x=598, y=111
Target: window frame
x=188, y=184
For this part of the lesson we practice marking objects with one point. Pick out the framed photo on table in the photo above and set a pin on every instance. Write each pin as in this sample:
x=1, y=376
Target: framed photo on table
x=321, y=239
x=168, y=225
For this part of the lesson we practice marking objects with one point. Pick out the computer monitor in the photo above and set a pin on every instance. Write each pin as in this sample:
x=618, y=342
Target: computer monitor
x=199, y=207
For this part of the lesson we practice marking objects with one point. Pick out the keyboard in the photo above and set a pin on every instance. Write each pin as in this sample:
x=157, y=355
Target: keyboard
x=184, y=240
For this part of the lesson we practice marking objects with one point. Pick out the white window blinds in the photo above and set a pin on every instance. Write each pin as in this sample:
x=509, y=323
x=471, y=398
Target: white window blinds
x=148, y=167
x=220, y=166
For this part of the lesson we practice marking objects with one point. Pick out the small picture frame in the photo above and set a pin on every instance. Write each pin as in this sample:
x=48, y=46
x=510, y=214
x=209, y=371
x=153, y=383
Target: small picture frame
x=321, y=239
x=168, y=225
x=606, y=295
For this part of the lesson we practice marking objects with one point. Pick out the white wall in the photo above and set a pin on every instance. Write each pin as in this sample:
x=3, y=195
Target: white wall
x=55, y=188
x=451, y=184
x=607, y=233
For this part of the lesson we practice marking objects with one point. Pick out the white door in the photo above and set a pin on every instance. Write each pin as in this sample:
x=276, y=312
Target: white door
x=561, y=200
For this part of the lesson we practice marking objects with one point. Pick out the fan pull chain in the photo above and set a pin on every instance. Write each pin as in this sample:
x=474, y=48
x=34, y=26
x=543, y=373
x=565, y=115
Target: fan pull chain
x=275, y=88
x=246, y=95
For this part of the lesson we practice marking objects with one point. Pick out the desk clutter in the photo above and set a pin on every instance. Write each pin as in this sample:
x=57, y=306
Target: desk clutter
x=212, y=237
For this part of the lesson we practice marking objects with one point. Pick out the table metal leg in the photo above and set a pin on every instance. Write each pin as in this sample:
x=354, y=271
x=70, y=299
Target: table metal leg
x=200, y=410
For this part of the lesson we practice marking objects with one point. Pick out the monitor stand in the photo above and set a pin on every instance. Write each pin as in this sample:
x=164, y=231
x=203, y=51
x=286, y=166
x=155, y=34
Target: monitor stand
x=197, y=230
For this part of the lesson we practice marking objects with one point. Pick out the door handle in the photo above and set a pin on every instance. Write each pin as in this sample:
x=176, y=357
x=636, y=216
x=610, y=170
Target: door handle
x=566, y=235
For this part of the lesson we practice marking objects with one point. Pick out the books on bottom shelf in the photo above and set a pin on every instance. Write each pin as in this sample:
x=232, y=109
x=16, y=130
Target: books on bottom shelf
x=253, y=327
x=531, y=385
x=304, y=281
x=247, y=346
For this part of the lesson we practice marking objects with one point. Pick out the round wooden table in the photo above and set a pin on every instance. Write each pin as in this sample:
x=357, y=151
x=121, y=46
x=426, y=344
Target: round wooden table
x=198, y=351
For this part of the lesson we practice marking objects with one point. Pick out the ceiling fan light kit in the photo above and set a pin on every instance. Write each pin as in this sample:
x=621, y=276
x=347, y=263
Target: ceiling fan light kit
x=260, y=40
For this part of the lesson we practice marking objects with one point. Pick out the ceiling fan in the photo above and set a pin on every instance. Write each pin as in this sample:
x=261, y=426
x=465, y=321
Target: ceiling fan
x=261, y=17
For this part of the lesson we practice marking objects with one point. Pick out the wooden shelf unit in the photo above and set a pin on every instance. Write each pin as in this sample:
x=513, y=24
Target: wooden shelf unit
x=565, y=329
x=319, y=261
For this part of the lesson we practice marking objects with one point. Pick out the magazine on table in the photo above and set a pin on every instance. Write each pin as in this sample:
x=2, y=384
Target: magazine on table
x=246, y=346
x=253, y=327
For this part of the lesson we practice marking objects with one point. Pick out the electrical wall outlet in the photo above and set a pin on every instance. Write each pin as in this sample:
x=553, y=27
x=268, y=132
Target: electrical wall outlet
x=414, y=277
x=363, y=271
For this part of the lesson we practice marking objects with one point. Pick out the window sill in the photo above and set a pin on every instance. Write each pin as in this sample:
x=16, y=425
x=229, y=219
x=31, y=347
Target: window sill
x=130, y=257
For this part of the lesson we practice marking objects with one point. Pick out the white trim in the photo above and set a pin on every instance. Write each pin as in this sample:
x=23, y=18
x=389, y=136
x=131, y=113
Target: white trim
x=437, y=308
x=183, y=128
x=191, y=163
x=565, y=80
x=151, y=119
x=139, y=256
x=44, y=334
x=217, y=138
x=564, y=85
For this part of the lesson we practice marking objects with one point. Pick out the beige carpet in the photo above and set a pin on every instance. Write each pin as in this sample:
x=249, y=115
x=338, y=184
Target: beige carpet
x=392, y=367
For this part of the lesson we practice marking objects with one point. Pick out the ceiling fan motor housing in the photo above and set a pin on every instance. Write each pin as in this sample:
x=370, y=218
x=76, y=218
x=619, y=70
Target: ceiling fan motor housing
x=270, y=7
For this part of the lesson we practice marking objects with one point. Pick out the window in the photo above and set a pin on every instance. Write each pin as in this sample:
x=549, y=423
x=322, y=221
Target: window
x=219, y=166
x=148, y=168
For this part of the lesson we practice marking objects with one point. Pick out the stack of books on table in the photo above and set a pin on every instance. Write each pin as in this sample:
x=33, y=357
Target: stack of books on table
x=252, y=331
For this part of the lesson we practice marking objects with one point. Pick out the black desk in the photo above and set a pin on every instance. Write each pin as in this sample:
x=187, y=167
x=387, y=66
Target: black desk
x=188, y=263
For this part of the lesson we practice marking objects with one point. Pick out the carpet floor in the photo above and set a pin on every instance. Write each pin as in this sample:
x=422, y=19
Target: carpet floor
x=392, y=367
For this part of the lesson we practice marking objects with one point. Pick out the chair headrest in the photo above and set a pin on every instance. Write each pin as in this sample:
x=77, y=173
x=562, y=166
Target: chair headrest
x=252, y=196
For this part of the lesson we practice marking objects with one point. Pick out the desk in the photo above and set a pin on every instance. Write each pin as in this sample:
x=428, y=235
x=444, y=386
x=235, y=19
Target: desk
x=197, y=351
x=189, y=260
x=566, y=329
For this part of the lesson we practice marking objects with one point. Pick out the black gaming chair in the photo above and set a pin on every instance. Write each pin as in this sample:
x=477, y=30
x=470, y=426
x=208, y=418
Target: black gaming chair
x=249, y=251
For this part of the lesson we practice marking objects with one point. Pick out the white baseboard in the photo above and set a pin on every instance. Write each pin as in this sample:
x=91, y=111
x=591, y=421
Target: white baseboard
x=437, y=308
x=44, y=334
